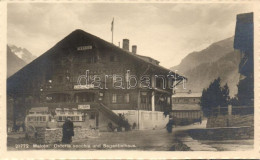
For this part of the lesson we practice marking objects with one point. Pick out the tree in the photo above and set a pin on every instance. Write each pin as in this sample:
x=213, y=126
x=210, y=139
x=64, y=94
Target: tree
x=234, y=101
x=214, y=96
x=225, y=96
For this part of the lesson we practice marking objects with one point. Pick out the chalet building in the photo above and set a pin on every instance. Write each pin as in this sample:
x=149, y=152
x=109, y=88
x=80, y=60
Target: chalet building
x=186, y=108
x=186, y=97
x=88, y=76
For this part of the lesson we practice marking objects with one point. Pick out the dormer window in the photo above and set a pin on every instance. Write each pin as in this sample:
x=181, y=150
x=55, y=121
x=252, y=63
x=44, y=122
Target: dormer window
x=92, y=59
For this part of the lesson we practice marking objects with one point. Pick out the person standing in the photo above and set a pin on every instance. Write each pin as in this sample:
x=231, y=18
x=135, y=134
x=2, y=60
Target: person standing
x=169, y=125
x=68, y=131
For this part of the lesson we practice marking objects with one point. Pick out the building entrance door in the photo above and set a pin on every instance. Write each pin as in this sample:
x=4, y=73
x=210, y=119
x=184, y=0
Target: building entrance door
x=91, y=119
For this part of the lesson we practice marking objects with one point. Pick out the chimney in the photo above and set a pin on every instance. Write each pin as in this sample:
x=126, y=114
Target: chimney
x=134, y=48
x=126, y=44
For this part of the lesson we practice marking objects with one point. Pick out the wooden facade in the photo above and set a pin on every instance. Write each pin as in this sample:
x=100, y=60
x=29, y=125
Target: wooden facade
x=52, y=80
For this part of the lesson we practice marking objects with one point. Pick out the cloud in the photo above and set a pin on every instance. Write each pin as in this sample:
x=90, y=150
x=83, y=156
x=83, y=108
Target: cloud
x=166, y=32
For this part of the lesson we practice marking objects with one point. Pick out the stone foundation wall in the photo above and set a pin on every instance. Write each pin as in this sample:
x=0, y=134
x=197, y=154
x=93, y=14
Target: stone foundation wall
x=229, y=133
x=230, y=121
x=147, y=119
x=54, y=135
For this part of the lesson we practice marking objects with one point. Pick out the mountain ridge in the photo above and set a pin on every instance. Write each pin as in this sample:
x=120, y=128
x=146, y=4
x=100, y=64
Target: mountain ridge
x=14, y=63
x=197, y=57
x=217, y=60
x=22, y=53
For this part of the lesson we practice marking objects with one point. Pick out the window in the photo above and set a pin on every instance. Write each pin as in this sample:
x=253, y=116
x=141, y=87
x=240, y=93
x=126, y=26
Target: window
x=92, y=59
x=64, y=61
x=160, y=82
x=73, y=118
x=48, y=98
x=37, y=119
x=92, y=116
x=84, y=97
x=114, y=98
x=127, y=98
x=120, y=98
x=143, y=99
x=57, y=98
x=60, y=79
x=77, y=118
x=112, y=59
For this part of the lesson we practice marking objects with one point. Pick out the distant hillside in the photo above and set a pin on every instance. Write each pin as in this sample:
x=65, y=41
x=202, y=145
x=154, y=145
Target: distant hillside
x=14, y=63
x=22, y=53
x=218, y=60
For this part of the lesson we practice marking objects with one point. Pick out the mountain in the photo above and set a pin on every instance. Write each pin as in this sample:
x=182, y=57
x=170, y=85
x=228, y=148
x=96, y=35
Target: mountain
x=14, y=63
x=217, y=60
x=22, y=53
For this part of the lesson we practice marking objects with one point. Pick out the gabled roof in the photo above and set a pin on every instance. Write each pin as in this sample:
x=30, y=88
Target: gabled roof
x=186, y=94
x=149, y=59
x=72, y=41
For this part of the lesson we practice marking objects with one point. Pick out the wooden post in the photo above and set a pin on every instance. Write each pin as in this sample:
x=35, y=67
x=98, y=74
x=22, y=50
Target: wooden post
x=153, y=101
x=229, y=110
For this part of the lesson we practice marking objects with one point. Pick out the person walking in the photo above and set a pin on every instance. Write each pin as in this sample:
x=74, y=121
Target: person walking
x=169, y=125
x=68, y=131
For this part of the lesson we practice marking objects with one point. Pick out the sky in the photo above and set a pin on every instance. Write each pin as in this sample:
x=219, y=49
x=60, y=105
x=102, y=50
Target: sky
x=166, y=32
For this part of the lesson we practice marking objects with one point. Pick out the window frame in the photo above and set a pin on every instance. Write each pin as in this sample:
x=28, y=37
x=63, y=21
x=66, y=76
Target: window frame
x=114, y=98
x=127, y=98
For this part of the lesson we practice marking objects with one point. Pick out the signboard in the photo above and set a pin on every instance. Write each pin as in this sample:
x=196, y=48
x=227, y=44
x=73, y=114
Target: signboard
x=84, y=106
x=131, y=112
x=88, y=86
x=83, y=48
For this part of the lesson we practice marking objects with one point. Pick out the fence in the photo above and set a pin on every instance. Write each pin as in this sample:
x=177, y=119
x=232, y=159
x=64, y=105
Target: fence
x=232, y=110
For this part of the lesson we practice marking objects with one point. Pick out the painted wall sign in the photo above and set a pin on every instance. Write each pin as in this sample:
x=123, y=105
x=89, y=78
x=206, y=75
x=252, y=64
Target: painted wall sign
x=82, y=48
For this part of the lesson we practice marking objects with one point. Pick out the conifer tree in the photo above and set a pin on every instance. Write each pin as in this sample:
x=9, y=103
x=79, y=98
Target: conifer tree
x=214, y=96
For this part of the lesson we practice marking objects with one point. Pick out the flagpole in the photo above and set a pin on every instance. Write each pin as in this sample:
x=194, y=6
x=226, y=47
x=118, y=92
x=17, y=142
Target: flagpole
x=112, y=29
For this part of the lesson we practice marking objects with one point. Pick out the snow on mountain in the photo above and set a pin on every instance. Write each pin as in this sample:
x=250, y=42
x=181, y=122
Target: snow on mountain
x=22, y=53
x=14, y=63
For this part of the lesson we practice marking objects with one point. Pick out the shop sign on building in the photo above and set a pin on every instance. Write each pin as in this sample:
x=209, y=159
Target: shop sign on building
x=84, y=106
x=82, y=48
x=88, y=86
